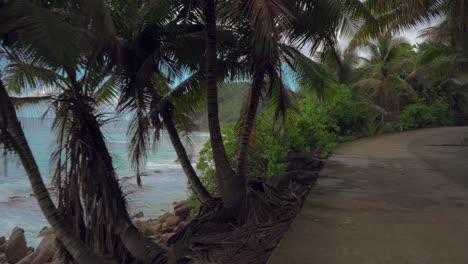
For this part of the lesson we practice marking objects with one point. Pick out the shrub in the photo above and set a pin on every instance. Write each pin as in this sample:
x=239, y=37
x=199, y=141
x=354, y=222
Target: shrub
x=416, y=116
x=420, y=115
x=316, y=127
x=350, y=113
x=440, y=112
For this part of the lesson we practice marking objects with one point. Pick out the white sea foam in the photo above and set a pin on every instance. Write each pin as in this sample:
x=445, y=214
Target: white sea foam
x=157, y=193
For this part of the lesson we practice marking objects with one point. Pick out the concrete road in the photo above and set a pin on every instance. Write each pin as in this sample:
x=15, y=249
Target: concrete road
x=393, y=199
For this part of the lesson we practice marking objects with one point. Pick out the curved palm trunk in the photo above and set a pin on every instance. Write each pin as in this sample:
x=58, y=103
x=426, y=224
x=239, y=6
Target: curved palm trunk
x=231, y=188
x=76, y=248
x=250, y=115
x=110, y=194
x=141, y=247
x=202, y=194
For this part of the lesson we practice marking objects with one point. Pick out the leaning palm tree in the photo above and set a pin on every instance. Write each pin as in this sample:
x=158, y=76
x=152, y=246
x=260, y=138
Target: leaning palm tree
x=146, y=71
x=89, y=194
x=12, y=134
x=266, y=26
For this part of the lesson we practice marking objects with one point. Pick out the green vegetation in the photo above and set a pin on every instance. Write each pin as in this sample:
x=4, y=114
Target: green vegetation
x=123, y=56
x=420, y=115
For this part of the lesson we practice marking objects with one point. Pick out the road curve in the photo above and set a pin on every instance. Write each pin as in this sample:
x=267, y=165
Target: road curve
x=393, y=199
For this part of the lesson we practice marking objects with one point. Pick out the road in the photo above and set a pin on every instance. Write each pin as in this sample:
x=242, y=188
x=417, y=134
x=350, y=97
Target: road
x=393, y=199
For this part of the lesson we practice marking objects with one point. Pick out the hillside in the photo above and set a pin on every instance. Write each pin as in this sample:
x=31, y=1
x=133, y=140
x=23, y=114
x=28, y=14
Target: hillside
x=231, y=99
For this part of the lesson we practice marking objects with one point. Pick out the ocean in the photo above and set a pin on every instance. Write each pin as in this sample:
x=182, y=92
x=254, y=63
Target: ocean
x=165, y=181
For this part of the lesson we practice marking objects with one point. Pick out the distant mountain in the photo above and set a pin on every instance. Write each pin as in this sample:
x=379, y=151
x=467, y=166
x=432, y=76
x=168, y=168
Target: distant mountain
x=231, y=98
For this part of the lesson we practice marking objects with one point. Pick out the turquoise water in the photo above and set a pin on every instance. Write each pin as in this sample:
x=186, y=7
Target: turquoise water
x=164, y=184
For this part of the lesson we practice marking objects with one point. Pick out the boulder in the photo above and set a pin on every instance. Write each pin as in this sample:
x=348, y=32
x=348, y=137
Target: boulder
x=190, y=218
x=169, y=229
x=178, y=203
x=164, y=217
x=46, y=231
x=2, y=258
x=182, y=210
x=28, y=259
x=282, y=181
x=166, y=236
x=2, y=240
x=2, y=247
x=57, y=259
x=172, y=221
x=181, y=226
x=139, y=215
x=149, y=228
x=45, y=250
x=16, y=247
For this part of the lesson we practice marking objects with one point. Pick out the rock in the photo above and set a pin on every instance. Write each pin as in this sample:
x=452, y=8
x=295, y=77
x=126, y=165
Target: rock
x=2, y=248
x=57, y=259
x=190, y=218
x=307, y=177
x=2, y=258
x=164, y=217
x=282, y=181
x=149, y=228
x=304, y=161
x=172, y=220
x=180, y=226
x=46, y=231
x=169, y=229
x=166, y=236
x=2, y=240
x=28, y=259
x=179, y=203
x=45, y=250
x=182, y=210
x=139, y=215
x=16, y=247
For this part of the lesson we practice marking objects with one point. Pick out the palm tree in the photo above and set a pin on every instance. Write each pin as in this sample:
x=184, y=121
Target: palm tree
x=12, y=130
x=396, y=16
x=230, y=188
x=384, y=74
x=268, y=25
x=440, y=73
x=146, y=70
x=84, y=167
x=343, y=63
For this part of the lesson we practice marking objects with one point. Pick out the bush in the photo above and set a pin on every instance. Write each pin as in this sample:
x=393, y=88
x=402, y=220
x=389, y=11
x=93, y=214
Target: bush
x=420, y=115
x=350, y=114
x=416, y=116
x=317, y=127
x=440, y=112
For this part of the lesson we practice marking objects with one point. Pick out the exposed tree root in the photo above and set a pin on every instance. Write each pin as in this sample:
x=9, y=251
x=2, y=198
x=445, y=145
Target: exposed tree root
x=217, y=237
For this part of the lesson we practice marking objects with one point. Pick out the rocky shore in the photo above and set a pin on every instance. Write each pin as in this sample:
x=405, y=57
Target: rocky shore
x=15, y=250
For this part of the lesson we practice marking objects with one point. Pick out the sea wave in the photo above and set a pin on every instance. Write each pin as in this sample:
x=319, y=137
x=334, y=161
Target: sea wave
x=117, y=141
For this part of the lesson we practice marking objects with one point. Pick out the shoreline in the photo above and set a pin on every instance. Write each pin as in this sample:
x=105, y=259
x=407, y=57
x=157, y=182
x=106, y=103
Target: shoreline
x=160, y=189
x=15, y=248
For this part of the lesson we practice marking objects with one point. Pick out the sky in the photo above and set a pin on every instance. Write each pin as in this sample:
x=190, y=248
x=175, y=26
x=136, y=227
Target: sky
x=410, y=35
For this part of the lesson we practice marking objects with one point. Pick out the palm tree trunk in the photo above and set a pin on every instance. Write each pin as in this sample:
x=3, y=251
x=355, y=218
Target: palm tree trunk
x=250, y=115
x=202, y=193
x=139, y=246
x=74, y=246
x=231, y=189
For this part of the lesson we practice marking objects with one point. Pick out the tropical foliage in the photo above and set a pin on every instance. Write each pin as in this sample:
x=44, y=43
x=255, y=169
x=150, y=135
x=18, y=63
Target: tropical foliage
x=162, y=63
